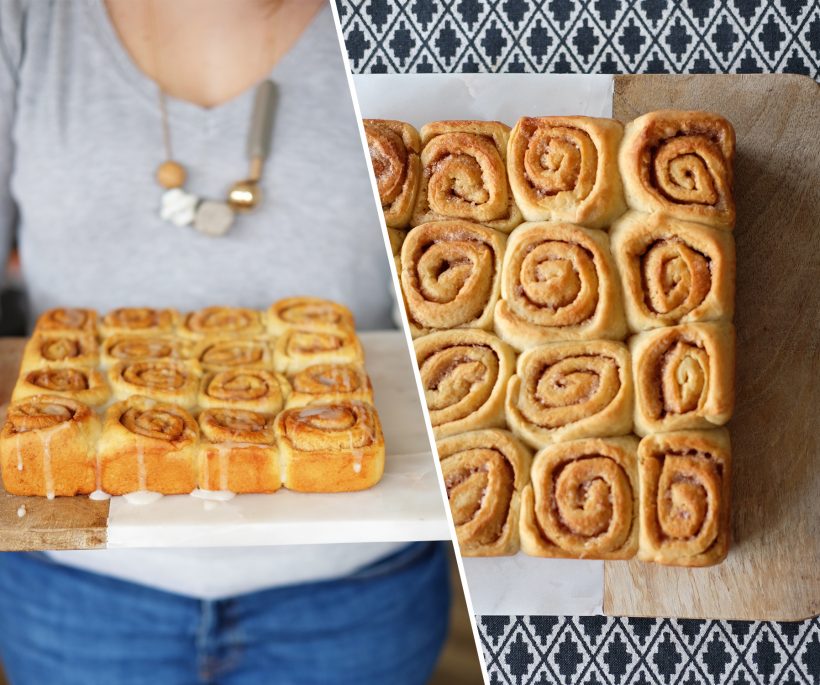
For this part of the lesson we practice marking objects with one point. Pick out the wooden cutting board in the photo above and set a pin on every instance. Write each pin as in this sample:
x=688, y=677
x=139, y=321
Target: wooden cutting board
x=773, y=570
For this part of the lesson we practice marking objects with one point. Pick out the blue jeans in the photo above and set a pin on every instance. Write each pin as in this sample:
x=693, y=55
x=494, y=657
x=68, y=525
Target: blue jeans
x=384, y=624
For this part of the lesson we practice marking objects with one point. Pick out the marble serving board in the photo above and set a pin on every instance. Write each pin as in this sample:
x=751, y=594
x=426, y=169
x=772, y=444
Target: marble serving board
x=405, y=505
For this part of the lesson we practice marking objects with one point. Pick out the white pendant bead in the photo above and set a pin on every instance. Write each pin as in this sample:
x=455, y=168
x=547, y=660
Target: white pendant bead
x=213, y=218
x=178, y=207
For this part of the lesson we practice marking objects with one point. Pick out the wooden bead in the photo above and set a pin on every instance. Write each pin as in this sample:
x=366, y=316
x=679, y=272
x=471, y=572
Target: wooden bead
x=171, y=174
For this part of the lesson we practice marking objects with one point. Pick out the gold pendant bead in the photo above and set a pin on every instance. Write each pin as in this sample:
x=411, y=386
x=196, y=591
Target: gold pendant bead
x=171, y=174
x=244, y=196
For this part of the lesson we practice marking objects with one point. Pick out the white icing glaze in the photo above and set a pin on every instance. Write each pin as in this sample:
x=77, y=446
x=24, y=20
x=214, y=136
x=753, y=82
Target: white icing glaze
x=21, y=511
x=99, y=495
x=142, y=475
x=98, y=474
x=224, y=453
x=19, y=455
x=48, y=471
x=213, y=495
x=142, y=497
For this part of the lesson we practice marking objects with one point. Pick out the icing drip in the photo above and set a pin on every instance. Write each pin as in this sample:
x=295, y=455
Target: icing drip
x=224, y=453
x=213, y=495
x=142, y=475
x=142, y=497
x=48, y=471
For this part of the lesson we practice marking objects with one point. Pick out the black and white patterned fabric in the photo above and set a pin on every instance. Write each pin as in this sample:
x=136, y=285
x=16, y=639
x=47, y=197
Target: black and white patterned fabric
x=597, y=650
x=608, y=36
x=591, y=36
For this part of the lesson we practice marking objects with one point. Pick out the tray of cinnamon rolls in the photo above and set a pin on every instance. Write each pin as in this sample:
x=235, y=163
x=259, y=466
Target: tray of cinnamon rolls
x=223, y=399
x=569, y=285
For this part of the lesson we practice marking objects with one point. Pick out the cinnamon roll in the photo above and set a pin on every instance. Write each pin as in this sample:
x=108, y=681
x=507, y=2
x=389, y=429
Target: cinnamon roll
x=484, y=472
x=68, y=348
x=673, y=271
x=558, y=283
x=680, y=163
x=64, y=319
x=684, y=377
x=47, y=447
x=256, y=390
x=237, y=451
x=565, y=169
x=394, y=154
x=326, y=383
x=148, y=445
x=221, y=321
x=464, y=374
x=139, y=321
x=139, y=348
x=82, y=384
x=450, y=275
x=167, y=380
x=297, y=349
x=464, y=175
x=685, y=497
x=221, y=354
x=335, y=447
x=583, y=500
x=308, y=314
x=563, y=391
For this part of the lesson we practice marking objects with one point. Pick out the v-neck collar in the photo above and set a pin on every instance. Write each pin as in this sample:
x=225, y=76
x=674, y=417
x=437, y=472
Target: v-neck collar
x=184, y=112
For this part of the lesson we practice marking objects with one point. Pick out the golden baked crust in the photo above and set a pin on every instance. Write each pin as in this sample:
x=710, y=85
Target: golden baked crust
x=396, y=237
x=568, y=390
x=464, y=374
x=451, y=275
x=62, y=348
x=394, y=155
x=148, y=445
x=221, y=354
x=558, y=283
x=138, y=348
x=258, y=390
x=221, y=321
x=684, y=377
x=64, y=319
x=484, y=472
x=330, y=448
x=166, y=380
x=297, y=349
x=308, y=314
x=139, y=321
x=680, y=163
x=565, y=169
x=464, y=175
x=327, y=383
x=583, y=500
x=79, y=383
x=47, y=447
x=686, y=488
x=673, y=271
x=237, y=452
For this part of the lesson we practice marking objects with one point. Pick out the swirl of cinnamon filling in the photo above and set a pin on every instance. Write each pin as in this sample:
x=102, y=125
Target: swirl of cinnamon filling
x=340, y=426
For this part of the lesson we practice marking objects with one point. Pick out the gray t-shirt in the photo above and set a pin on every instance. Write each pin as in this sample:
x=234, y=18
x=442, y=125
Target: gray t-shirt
x=81, y=140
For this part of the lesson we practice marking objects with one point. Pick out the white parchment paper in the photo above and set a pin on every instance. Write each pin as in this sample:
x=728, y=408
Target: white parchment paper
x=406, y=505
x=519, y=584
